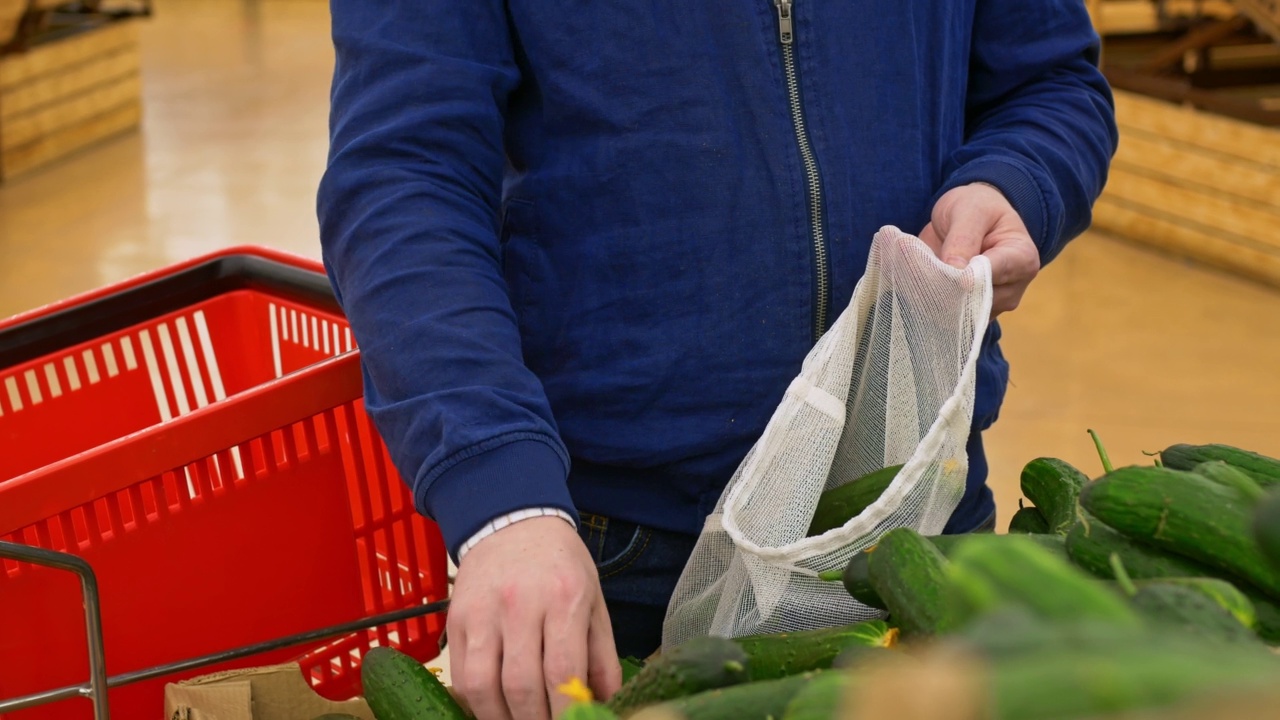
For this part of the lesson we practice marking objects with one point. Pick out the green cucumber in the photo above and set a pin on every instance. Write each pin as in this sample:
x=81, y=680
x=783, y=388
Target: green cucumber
x=1185, y=513
x=1091, y=542
x=856, y=575
x=909, y=574
x=1183, y=608
x=855, y=655
x=988, y=572
x=1220, y=592
x=1014, y=630
x=1028, y=521
x=781, y=654
x=1264, y=470
x=838, y=506
x=587, y=710
x=821, y=699
x=630, y=667
x=397, y=687
x=1266, y=527
x=703, y=663
x=1064, y=682
x=1224, y=474
x=763, y=700
x=1056, y=544
x=857, y=581
x=1053, y=486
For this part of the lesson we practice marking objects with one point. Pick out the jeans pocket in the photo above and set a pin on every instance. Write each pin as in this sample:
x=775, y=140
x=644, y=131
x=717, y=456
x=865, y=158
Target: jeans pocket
x=614, y=545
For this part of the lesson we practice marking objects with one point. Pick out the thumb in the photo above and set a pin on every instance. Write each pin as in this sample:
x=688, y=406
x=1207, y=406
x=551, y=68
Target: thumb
x=968, y=226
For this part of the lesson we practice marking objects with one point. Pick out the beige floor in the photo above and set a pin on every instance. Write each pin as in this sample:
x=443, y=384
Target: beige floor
x=1145, y=350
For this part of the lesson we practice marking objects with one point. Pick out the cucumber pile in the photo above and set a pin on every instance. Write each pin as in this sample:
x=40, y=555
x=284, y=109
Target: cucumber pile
x=1148, y=590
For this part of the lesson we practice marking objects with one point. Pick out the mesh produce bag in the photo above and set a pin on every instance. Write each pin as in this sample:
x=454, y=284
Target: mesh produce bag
x=891, y=383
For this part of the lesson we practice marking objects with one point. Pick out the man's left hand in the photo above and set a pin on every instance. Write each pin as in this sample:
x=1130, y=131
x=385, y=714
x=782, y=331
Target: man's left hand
x=977, y=219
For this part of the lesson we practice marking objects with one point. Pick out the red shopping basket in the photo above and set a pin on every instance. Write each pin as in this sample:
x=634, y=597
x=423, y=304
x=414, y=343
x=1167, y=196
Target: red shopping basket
x=197, y=436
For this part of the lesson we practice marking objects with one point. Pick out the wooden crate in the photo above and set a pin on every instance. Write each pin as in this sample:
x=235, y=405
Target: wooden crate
x=10, y=15
x=1195, y=184
x=64, y=95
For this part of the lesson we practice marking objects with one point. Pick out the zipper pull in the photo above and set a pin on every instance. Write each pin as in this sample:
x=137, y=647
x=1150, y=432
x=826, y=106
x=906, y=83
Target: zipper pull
x=784, y=20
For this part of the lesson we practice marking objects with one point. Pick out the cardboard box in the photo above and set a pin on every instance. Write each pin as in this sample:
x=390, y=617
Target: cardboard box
x=276, y=692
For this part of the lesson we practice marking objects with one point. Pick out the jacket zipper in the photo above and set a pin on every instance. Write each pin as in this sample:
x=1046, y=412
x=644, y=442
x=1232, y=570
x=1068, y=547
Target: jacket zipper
x=812, y=178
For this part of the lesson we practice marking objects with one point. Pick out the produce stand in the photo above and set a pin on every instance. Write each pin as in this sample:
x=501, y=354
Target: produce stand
x=191, y=443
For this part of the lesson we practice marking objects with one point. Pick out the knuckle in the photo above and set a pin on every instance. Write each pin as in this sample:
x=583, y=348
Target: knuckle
x=558, y=668
x=521, y=691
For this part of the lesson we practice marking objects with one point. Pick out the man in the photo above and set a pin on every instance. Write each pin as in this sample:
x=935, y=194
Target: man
x=585, y=246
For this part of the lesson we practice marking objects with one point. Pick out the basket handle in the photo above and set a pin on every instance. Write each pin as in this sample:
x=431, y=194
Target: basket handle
x=124, y=461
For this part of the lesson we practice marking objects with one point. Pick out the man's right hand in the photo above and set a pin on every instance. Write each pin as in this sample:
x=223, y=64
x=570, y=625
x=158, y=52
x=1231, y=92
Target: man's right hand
x=526, y=615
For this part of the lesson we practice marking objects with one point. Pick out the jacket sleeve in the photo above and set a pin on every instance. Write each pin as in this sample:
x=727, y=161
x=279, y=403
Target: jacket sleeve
x=408, y=208
x=1040, y=117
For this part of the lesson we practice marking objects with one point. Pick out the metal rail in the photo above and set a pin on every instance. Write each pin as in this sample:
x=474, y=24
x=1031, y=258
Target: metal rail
x=99, y=682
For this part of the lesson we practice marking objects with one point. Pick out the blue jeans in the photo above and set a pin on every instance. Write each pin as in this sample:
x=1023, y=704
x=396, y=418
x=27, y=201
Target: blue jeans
x=639, y=567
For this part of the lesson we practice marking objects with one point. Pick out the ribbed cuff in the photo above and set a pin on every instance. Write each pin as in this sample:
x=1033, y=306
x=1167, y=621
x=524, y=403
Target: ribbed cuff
x=512, y=476
x=1019, y=188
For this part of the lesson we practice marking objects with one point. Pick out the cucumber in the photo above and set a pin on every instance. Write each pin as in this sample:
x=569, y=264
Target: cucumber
x=821, y=699
x=1232, y=477
x=1063, y=682
x=1091, y=542
x=397, y=687
x=1028, y=521
x=1182, y=608
x=857, y=581
x=1266, y=528
x=1013, y=630
x=589, y=710
x=1053, y=486
x=782, y=654
x=1221, y=593
x=855, y=655
x=838, y=506
x=630, y=667
x=856, y=575
x=1264, y=470
x=988, y=572
x=1184, y=513
x=703, y=663
x=764, y=700
x=909, y=573
x=1056, y=544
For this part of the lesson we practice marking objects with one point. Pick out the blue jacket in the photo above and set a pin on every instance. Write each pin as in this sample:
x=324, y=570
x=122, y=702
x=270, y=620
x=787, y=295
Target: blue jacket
x=584, y=246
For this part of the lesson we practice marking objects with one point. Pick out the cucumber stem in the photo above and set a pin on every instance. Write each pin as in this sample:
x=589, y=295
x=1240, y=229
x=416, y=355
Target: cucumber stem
x=1122, y=577
x=1155, y=455
x=831, y=575
x=1102, y=452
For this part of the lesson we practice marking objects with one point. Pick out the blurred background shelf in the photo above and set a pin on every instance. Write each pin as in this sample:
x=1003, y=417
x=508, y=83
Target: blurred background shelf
x=70, y=77
x=1197, y=86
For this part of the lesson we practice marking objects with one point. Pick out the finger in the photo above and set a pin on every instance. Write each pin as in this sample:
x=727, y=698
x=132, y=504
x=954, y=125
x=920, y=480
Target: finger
x=603, y=669
x=458, y=661
x=481, y=684
x=930, y=237
x=1006, y=298
x=969, y=225
x=567, y=657
x=1013, y=263
x=524, y=686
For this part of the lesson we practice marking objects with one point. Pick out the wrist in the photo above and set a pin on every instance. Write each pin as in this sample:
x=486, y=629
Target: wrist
x=508, y=519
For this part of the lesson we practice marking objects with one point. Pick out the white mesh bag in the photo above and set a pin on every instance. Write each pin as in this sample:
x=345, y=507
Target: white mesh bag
x=892, y=382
